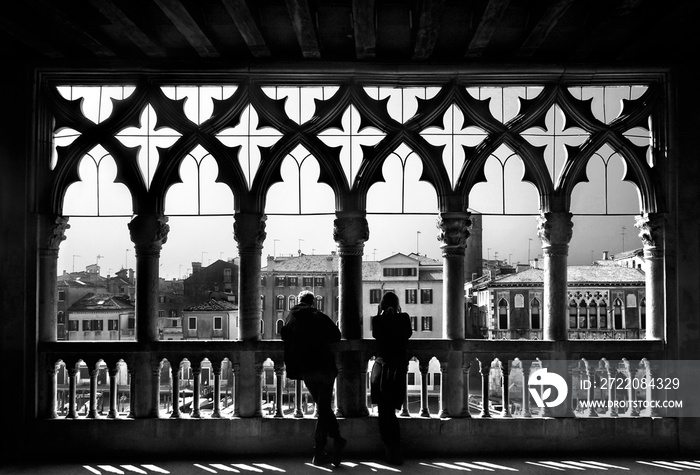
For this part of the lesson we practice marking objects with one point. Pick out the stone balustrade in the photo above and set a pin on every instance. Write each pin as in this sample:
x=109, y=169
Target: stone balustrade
x=486, y=370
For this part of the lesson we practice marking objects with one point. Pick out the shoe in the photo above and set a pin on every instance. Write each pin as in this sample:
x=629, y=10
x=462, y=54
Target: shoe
x=338, y=446
x=321, y=458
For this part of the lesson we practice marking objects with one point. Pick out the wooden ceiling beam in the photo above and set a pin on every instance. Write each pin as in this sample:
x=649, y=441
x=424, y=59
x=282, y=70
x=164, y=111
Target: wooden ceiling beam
x=77, y=32
x=303, y=24
x=128, y=28
x=428, y=28
x=544, y=27
x=245, y=22
x=487, y=27
x=617, y=17
x=364, y=28
x=29, y=39
x=183, y=21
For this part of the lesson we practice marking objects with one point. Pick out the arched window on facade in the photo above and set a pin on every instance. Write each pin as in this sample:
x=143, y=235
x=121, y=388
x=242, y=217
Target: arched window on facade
x=292, y=301
x=280, y=302
x=262, y=302
x=593, y=315
x=502, y=314
x=535, y=322
x=643, y=314
x=573, y=315
x=583, y=315
x=603, y=315
x=617, y=315
x=319, y=303
x=278, y=327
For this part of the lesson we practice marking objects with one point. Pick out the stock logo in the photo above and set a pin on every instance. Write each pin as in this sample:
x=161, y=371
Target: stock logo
x=540, y=385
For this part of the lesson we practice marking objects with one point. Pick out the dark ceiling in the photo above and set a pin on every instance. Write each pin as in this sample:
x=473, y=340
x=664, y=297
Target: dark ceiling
x=387, y=31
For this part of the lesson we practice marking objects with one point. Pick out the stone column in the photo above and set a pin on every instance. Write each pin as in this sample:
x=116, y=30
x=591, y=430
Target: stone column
x=555, y=231
x=350, y=231
x=113, y=388
x=444, y=411
x=590, y=393
x=175, y=378
x=52, y=370
x=216, y=368
x=148, y=233
x=505, y=393
x=423, y=366
x=612, y=391
x=454, y=231
x=526, y=393
x=54, y=228
x=92, y=412
x=279, y=376
x=197, y=389
x=466, y=366
x=249, y=233
x=650, y=227
x=485, y=370
x=72, y=399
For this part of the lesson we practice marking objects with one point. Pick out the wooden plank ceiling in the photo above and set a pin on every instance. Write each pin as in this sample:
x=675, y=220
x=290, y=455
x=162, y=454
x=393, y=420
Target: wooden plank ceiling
x=386, y=31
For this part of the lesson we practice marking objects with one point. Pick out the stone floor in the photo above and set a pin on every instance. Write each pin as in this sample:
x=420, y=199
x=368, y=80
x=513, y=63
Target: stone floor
x=367, y=466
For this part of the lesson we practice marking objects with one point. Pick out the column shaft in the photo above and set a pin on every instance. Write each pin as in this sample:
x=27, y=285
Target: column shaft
x=650, y=227
x=350, y=232
x=555, y=231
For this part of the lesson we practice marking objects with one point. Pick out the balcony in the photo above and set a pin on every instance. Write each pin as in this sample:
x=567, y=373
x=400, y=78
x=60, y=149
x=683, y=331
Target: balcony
x=230, y=414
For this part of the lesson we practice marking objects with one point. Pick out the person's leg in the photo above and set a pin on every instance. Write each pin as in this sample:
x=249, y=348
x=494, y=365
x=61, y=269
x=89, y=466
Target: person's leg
x=315, y=387
x=389, y=431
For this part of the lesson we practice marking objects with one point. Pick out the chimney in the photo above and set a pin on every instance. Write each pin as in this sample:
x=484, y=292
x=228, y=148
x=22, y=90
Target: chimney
x=606, y=255
x=196, y=267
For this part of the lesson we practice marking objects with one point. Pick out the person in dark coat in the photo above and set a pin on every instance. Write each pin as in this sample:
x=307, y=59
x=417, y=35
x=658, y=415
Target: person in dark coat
x=308, y=336
x=392, y=329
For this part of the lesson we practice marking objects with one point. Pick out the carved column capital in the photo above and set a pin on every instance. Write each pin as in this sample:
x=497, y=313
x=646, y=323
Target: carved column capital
x=555, y=229
x=148, y=233
x=350, y=232
x=650, y=227
x=454, y=231
x=57, y=232
x=249, y=232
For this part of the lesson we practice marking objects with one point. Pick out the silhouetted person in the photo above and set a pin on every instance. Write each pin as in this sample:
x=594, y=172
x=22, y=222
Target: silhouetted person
x=308, y=335
x=392, y=329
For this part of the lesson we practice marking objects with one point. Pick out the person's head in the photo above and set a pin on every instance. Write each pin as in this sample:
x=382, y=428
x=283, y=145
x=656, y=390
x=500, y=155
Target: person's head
x=390, y=300
x=306, y=297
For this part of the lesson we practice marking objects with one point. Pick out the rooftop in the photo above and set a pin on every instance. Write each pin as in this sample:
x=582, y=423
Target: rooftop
x=101, y=301
x=576, y=275
x=212, y=305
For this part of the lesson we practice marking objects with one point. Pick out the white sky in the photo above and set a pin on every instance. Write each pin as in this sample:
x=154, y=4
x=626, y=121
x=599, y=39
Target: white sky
x=208, y=238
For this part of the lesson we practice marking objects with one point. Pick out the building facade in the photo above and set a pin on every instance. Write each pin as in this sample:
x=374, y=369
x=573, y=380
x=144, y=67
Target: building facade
x=101, y=316
x=219, y=277
x=416, y=280
x=604, y=302
x=282, y=280
x=211, y=320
